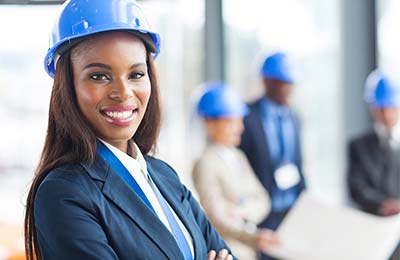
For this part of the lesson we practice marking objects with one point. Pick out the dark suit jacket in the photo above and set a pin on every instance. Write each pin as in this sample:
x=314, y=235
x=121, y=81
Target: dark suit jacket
x=373, y=172
x=255, y=146
x=87, y=212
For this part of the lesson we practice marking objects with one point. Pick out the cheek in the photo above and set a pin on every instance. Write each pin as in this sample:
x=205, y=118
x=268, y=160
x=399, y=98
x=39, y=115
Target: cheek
x=143, y=94
x=230, y=131
x=393, y=117
x=88, y=97
x=220, y=131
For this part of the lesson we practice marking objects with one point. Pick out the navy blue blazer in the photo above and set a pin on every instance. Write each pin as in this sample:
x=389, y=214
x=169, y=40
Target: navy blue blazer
x=84, y=211
x=254, y=145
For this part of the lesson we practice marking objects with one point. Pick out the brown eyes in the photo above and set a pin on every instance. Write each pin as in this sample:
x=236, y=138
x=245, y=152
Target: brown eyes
x=99, y=77
x=136, y=75
x=105, y=77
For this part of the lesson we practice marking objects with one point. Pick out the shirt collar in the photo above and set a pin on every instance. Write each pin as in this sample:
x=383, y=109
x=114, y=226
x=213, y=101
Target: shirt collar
x=273, y=107
x=393, y=135
x=139, y=160
x=226, y=152
x=139, y=156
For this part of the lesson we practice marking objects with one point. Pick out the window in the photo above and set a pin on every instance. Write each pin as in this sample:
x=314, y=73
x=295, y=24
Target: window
x=307, y=31
x=388, y=36
x=24, y=97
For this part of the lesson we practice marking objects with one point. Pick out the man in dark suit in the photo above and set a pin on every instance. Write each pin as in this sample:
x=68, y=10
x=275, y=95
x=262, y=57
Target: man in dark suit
x=374, y=166
x=271, y=139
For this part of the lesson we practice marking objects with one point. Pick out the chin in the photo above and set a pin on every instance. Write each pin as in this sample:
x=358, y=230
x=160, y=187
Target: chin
x=236, y=142
x=121, y=135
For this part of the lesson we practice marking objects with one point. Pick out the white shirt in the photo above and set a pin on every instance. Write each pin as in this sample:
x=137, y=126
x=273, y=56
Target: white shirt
x=392, y=135
x=138, y=169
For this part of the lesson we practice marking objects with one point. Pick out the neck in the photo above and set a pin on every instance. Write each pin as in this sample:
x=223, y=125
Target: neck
x=222, y=143
x=121, y=145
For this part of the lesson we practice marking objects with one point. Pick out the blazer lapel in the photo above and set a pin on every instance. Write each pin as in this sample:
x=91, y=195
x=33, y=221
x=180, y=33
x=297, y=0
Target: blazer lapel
x=175, y=203
x=130, y=203
x=260, y=133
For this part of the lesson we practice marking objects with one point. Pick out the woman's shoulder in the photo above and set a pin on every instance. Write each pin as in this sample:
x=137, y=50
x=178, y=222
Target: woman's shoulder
x=210, y=152
x=68, y=177
x=209, y=162
x=158, y=164
x=69, y=172
x=162, y=171
x=66, y=184
x=150, y=159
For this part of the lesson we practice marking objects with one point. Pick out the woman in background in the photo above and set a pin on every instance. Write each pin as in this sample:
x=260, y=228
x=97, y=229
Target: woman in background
x=238, y=201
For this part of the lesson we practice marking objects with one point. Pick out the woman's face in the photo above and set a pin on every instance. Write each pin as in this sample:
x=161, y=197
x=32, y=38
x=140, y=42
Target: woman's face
x=112, y=84
x=225, y=131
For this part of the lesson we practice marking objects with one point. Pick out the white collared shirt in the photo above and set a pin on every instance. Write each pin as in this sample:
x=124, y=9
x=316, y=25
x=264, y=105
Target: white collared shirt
x=138, y=169
x=392, y=135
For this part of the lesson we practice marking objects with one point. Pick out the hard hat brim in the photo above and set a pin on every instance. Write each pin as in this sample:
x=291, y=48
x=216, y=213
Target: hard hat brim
x=150, y=40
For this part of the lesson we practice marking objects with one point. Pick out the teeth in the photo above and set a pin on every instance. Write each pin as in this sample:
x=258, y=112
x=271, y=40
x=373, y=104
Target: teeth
x=120, y=115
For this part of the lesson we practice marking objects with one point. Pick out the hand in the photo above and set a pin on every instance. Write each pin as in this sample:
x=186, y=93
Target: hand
x=222, y=255
x=389, y=207
x=265, y=239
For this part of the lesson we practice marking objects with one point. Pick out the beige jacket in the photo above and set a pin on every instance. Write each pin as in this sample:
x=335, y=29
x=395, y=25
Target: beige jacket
x=232, y=197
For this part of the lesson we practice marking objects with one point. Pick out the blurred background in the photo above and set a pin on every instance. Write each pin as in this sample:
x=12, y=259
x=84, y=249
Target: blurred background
x=336, y=44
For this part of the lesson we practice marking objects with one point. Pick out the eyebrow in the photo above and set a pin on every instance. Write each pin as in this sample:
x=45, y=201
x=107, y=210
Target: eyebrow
x=108, y=67
x=138, y=65
x=100, y=65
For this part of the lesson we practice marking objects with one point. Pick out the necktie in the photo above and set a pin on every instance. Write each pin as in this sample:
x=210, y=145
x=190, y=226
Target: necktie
x=176, y=230
x=281, y=136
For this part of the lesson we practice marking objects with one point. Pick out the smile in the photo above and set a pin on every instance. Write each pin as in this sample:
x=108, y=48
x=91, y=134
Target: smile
x=120, y=115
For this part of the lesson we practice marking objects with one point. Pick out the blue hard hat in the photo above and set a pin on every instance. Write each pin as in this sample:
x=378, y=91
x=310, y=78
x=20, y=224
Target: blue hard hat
x=279, y=66
x=220, y=101
x=79, y=18
x=381, y=91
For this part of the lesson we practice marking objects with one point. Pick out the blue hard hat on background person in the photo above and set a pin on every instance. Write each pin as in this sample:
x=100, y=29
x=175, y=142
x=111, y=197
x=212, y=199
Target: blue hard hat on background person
x=79, y=18
x=279, y=66
x=381, y=91
x=220, y=101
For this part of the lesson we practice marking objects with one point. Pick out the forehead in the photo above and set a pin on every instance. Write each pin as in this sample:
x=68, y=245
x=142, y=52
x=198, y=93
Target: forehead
x=278, y=83
x=109, y=43
x=227, y=120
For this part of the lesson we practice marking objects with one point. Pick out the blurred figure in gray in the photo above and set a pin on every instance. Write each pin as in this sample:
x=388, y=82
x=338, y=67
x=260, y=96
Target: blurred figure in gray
x=374, y=158
x=230, y=193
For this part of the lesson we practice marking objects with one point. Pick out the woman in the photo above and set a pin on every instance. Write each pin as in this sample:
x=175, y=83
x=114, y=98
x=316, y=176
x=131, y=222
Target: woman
x=96, y=193
x=239, y=201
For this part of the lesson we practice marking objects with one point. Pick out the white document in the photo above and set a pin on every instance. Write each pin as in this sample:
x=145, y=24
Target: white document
x=287, y=176
x=314, y=231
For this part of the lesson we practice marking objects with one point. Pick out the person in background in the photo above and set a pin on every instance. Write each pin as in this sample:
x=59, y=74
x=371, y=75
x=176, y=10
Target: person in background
x=97, y=193
x=373, y=159
x=271, y=139
x=238, y=201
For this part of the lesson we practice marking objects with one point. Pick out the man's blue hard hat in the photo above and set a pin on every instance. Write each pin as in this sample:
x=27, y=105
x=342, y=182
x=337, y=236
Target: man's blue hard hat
x=79, y=18
x=381, y=91
x=279, y=66
x=220, y=101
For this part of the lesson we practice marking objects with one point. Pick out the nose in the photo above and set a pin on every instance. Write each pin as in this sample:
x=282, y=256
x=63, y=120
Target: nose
x=121, y=90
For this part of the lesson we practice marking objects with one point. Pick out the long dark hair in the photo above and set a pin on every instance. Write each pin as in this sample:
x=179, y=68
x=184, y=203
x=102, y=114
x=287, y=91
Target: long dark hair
x=71, y=139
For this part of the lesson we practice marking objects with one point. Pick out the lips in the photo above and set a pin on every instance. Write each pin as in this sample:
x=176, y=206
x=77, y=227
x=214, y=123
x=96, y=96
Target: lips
x=119, y=115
